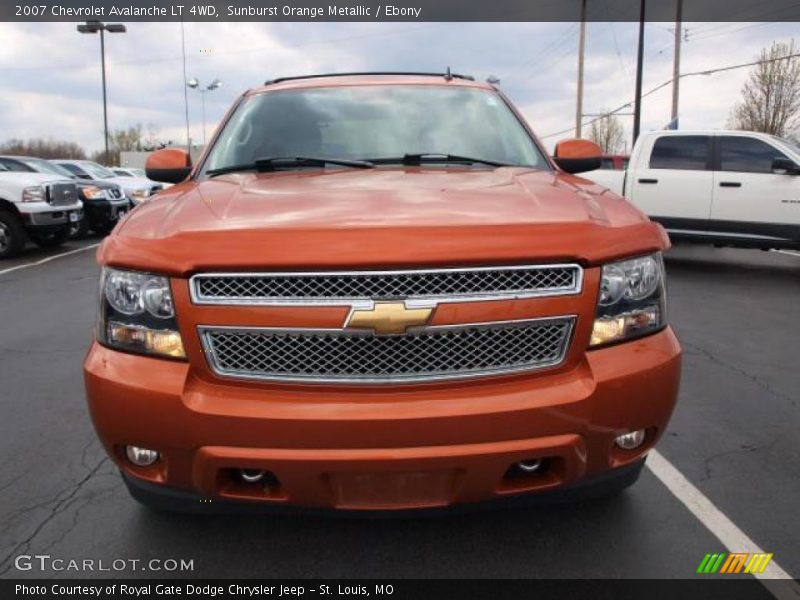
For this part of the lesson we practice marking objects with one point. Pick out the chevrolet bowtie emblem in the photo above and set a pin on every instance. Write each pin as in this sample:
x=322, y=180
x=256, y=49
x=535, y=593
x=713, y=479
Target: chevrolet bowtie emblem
x=388, y=317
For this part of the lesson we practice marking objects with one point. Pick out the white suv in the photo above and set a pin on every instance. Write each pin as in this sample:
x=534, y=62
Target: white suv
x=38, y=207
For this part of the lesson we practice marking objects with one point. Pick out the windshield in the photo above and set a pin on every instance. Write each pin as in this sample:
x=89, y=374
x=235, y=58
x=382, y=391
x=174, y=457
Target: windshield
x=45, y=166
x=97, y=171
x=787, y=143
x=375, y=122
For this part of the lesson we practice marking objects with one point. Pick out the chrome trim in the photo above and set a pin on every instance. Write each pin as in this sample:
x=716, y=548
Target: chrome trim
x=208, y=350
x=730, y=234
x=368, y=303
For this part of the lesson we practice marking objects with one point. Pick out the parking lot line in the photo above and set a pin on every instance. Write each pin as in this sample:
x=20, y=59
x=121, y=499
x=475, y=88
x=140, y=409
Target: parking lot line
x=725, y=530
x=48, y=259
x=789, y=252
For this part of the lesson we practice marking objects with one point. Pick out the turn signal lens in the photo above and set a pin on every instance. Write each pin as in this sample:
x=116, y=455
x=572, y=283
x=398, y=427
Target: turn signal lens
x=142, y=339
x=610, y=329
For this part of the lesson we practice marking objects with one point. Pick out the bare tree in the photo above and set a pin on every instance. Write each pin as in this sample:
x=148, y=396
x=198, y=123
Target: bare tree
x=771, y=96
x=42, y=148
x=607, y=132
x=120, y=140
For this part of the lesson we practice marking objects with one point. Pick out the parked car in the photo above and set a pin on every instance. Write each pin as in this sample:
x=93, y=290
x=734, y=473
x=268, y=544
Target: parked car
x=378, y=292
x=128, y=172
x=736, y=188
x=138, y=190
x=104, y=202
x=35, y=206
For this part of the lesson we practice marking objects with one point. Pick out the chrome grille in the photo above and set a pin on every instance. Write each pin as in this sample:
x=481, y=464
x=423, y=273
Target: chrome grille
x=62, y=194
x=447, y=352
x=116, y=193
x=333, y=287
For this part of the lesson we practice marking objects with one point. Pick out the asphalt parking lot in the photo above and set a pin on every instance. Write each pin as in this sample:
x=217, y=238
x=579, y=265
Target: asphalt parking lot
x=733, y=436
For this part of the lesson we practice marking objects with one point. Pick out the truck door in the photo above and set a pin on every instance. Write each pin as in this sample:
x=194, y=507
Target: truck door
x=749, y=199
x=673, y=182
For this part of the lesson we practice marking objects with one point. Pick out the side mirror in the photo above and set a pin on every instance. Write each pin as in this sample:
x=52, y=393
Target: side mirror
x=577, y=156
x=169, y=165
x=785, y=166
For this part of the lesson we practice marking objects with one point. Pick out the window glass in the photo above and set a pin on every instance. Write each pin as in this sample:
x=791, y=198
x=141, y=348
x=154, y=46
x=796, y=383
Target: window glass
x=747, y=155
x=378, y=122
x=97, y=171
x=12, y=165
x=73, y=169
x=686, y=152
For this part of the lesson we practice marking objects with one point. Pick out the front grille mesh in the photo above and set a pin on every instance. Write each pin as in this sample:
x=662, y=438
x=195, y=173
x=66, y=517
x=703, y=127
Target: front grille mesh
x=429, y=354
x=62, y=194
x=450, y=283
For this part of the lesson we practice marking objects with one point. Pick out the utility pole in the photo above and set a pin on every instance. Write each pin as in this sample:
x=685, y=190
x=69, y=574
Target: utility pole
x=95, y=27
x=581, y=49
x=185, y=92
x=676, y=65
x=637, y=109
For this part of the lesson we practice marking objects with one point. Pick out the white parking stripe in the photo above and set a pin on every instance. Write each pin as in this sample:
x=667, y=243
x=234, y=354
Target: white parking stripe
x=48, y=259
x=789, y=252
x=725, y=530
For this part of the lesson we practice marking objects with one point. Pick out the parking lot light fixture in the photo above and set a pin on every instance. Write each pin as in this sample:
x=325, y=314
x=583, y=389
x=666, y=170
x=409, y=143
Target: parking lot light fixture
x=94, y=27
x=194, y=83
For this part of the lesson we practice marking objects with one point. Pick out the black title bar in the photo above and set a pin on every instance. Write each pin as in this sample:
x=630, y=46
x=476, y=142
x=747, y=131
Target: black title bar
x=398, y=10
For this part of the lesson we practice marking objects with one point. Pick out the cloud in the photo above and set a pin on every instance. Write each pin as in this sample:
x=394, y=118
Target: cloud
x=51, y=75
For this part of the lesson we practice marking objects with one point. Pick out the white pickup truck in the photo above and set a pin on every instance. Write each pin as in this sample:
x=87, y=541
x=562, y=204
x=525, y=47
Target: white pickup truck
x=38, y=207
x=736, y=188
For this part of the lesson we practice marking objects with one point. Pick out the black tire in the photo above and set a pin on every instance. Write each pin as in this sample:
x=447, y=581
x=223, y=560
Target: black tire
x=79, y=230
x=104, y=229
x=12, y=235
x=51, y=239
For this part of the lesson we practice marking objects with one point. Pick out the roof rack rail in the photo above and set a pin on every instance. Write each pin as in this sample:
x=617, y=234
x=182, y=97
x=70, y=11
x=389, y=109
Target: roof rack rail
x=447, y=75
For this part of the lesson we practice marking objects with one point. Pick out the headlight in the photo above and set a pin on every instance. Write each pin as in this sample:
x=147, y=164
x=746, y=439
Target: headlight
x=631, y=302
x=137, y=314
x=33, y=194
x=142, y=194
x=91, y=192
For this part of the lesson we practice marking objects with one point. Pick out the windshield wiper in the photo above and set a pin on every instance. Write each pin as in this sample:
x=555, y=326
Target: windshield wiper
x=436, y=157
x=273, y=163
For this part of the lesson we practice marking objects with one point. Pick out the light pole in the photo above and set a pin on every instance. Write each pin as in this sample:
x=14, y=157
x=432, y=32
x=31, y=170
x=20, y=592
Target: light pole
x=194, y=83
x=94, y=27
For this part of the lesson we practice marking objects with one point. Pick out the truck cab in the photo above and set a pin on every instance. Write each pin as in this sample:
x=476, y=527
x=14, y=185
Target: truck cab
x=736, y=188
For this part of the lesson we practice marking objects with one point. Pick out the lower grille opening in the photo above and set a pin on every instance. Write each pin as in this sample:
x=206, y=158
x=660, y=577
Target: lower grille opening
x=249, y=483
x=521, y=476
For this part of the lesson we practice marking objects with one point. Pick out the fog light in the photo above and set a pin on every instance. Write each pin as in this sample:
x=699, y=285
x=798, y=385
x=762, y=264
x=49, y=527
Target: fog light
x=141, y=457
x=530, y=466
x=630, y=441
x=251, y=475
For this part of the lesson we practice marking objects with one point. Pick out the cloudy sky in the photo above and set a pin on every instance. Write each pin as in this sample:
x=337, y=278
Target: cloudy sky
x=51, y=75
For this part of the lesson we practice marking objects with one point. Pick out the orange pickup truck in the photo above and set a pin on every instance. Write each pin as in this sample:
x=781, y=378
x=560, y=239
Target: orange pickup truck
x=378, y=292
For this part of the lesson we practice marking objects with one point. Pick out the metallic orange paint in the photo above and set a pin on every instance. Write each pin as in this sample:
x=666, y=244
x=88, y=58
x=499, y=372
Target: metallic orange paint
x=381, y=446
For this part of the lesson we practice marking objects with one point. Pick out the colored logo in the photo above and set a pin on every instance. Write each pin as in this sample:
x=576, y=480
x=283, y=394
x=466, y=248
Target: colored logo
x=741, y=562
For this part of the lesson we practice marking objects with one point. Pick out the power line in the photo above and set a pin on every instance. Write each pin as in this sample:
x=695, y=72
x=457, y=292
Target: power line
x=666, y=83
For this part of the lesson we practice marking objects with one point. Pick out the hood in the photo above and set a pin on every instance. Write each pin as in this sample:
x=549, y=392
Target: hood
x=30, y=178
x=130, y=184
x=385, y=217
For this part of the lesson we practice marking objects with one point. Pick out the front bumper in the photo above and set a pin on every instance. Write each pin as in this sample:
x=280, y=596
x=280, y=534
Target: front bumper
x=104, y=213
x=409, y=447
x=41, y=215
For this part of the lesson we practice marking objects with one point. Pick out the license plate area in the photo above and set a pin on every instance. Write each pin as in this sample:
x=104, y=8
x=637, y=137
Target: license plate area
x=393, y=490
